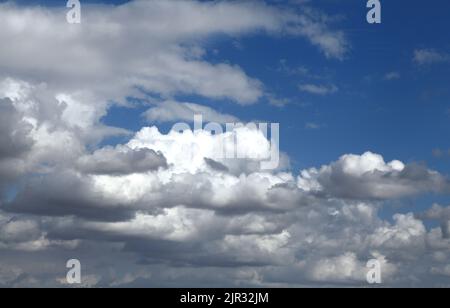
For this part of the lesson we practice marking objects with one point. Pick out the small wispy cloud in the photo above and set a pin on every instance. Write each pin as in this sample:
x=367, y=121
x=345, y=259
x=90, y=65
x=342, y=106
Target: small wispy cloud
x=430, y=56
x=392, y=76
x=313, y=126
x=318, y=89
x=441, y=153
x=278, y=101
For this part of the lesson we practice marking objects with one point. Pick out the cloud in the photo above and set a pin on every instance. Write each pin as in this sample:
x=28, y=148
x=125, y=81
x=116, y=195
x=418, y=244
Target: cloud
x=168, y=209
x=314, y=25
x=392, y=76
x=440, y=214
x=164, y=55
x=209, y=213
x=16, y=231
x=241, y=149
x=407, y=232
x=15, y=142
x=344, y=268
x=172, y=202
x=64, y=194
x=202, y=211
x=318, y=89
x=311, y=125
x=369, y=177
x=430, y=56
x=171, y=111
x=120, y=161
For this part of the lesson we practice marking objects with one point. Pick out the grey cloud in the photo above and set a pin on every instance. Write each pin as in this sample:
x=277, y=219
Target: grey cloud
x=368, y=177
x=14, y=132
x=15, y=143
x=17, y=230
x=318, y=247
x=171, y=111
x=65, y=194
x=121, y=160
x=216, y=165
x=440, y=214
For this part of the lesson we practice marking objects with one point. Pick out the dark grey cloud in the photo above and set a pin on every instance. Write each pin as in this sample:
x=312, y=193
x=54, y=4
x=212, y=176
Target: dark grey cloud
x=121, y=160
x=15, y=143
x=65, y=194
x=14, y=132
x=441, y=215
x=368, y=177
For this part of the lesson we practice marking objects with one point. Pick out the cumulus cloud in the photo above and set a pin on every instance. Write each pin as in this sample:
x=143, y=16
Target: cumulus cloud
x=198, y=213
x=241, y=149
x=369, y=177
x=163, y=201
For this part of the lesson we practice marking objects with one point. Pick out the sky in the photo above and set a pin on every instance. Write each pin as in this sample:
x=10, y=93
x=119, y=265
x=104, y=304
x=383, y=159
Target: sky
x=91, y=170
